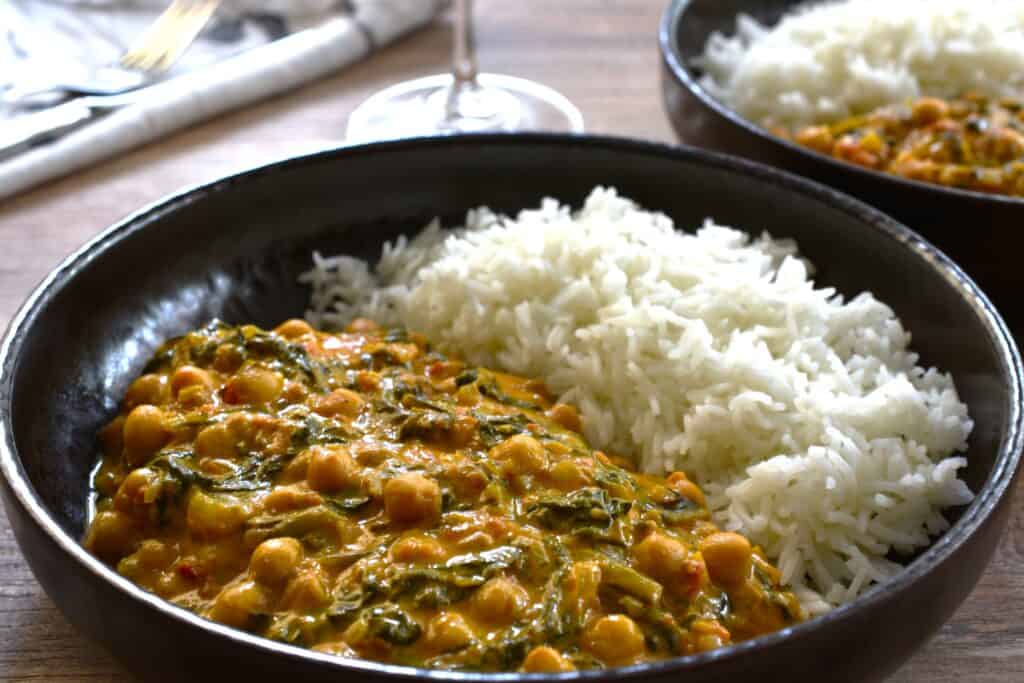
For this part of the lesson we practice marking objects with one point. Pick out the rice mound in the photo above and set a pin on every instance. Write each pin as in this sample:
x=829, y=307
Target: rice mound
x=838, y=59
x=805, y=418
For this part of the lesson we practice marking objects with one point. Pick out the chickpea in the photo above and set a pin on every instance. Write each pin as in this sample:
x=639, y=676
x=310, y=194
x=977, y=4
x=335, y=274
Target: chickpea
x=228, y=358
x=293, y=329
x=818, y=138
x=144, y=433
x=476, y=541
x=211, y=516
x=194, y=396
x=275, y=560
x=112, y=535
x=296, y=470
x=338, y=402
x=362, y=326
x=569, y=475
x=584, y=583
x=448, y=631
x=615, y=639
x=928, y=110
x=294, y=392
x=306, y=592
x=154, y=554
x=286, y=498
x=216, y=441
x=112, y=437
x=331, y=468
x=728, y=557
x=140, y=488
x=417, y=549
x=678, y=482
x=500, y=601
x=368, y=381
x=567, y=416
x=412, y=498
x=237, y=602
x=370, y=453
x=849, y=149
x=709, y=635
x=468, y=395
x=190, y=376
x=521, y=454
x=660, y=556
x=253, y=385
x=147, y=389
x=548, y=660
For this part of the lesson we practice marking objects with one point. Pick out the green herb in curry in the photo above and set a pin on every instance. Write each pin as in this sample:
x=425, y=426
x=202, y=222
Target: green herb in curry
x=361, y=495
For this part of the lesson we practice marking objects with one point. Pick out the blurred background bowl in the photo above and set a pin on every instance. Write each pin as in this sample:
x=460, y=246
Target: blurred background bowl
x=233, y=249
x=983, y=233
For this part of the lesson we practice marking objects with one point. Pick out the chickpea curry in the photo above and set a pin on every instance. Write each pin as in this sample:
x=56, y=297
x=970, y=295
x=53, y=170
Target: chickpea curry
x=365, y=496
x=971, y=142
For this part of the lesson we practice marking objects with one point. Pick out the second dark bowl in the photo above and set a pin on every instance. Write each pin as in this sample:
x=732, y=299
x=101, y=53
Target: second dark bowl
x=982, y=232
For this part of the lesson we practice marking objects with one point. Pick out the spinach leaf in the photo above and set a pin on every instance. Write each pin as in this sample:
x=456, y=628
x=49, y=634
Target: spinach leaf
x=661, y=630
x=557, y=620
x=293, y=358
x=316, y=430
x=444, y=584
x=680, y=509
x=255, y=474
x=297, y=524
x=494, y=429
x=345, y=504
x=466, y=377
x=160, y=360
x=508, y=651
x=491, y=390
x=425, y=425
x=391, y=623
x=590, y=512
x=631, y=582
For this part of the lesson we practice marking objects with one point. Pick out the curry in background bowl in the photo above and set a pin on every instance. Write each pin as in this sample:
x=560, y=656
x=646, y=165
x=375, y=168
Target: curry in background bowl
x=971, y=142
x=365, y=496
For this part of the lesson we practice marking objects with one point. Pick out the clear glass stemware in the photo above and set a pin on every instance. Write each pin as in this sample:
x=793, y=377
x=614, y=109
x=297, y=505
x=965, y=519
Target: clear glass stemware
x=463, y=101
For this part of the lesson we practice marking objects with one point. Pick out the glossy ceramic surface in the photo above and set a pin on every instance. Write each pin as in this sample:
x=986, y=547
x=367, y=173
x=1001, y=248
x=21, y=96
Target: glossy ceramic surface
x=233, y=249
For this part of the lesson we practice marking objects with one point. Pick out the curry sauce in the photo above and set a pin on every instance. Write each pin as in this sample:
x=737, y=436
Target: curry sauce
x=363, y=495
x=971, y=142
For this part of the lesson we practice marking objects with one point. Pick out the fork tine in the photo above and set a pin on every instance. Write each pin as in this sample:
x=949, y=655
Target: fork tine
x=173, y=31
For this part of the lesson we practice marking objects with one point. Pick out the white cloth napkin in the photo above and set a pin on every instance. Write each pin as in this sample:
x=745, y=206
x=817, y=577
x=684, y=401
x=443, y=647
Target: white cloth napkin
x=208, y=83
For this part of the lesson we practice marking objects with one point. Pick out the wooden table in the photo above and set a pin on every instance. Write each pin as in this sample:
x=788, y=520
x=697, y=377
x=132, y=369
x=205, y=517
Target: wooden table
x=603, y=56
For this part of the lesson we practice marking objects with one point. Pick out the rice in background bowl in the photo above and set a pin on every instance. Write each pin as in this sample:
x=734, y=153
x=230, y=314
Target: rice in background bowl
x=832, y=60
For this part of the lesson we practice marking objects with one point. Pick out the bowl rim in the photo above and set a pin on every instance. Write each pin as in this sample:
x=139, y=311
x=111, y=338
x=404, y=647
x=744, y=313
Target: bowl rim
x=986, y=499
x=668, y=41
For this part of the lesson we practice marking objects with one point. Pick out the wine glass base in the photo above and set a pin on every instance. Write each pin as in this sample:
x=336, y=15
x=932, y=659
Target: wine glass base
x=435, y=105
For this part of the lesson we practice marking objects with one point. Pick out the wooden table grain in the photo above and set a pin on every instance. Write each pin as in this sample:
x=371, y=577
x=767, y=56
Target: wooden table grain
x=603, y=55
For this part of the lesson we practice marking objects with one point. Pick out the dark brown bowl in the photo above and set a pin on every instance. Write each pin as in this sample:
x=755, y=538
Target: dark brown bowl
x=233, y=249
x=982, y=232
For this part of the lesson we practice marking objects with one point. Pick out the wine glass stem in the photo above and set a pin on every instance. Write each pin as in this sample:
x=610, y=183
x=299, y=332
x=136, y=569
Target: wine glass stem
x=464, y=67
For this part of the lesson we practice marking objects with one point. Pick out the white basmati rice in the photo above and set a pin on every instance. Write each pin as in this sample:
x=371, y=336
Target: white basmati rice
x=804, y=417
x=838, y=59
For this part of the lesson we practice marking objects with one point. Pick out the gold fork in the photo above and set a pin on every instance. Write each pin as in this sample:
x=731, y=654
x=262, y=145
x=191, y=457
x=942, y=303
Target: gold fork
x=163, y=42
x=150, y=55
x=155, y=50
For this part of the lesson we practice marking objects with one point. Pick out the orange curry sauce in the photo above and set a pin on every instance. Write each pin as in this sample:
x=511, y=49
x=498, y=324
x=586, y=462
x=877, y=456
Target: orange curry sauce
x=364, y=496
x=971, y=142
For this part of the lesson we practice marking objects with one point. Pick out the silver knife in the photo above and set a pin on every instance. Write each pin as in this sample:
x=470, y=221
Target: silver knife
x=25, y=132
